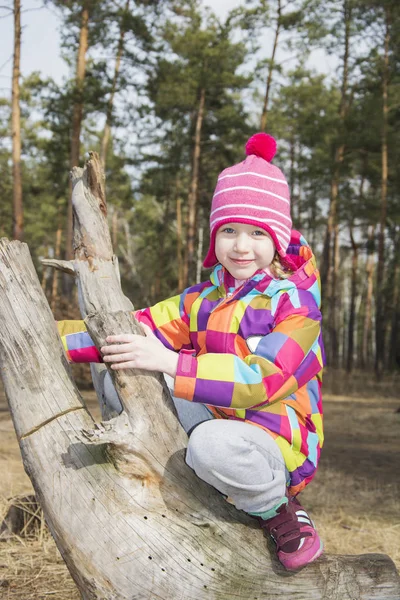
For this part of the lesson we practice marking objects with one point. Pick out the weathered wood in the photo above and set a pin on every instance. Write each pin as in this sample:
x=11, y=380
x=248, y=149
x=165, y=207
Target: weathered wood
x=131, y=520
x=95, y=266
x=66, y=266
x=18, y=210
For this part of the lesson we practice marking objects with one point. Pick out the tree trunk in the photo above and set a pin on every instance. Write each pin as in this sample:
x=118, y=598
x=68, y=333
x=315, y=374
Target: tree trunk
x=18, y=213
x=380, y=313
x=264, y=114
x=326, y=261
x=107, y=128
x=353, y=295
x=199, y=260
x=160, y=270
x=294, y=179
x=128, y=254
x=366, y=350
x=394, y=330
x=57, y=251
x=179, y=242
x=44, y=274
x=114, y=226
x=326, y=266
x=312, y=221
x=329, y=255
x=194, y=187
x=131, y=520
x=77, y=117
x=334, y=299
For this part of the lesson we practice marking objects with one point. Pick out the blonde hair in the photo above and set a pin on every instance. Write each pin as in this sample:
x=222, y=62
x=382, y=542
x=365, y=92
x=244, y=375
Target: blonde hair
x=278, y=270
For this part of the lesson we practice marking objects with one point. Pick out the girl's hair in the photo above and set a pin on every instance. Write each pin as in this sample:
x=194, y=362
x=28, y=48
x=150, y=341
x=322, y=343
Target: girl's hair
x=278, y=269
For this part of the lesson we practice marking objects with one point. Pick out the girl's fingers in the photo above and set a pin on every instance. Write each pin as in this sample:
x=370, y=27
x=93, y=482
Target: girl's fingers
x=123, y=365
x=148, y=332
x=115, y=358
x=115, y=348
x=123, y=338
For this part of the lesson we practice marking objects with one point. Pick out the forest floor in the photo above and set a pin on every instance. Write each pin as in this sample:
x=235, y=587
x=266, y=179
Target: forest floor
x=354, y=498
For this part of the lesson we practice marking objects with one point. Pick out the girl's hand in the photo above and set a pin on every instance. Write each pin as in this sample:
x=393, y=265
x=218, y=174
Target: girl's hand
x=130, y=351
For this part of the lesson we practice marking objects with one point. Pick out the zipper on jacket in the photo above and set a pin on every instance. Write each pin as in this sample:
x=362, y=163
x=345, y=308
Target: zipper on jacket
x=228, y=297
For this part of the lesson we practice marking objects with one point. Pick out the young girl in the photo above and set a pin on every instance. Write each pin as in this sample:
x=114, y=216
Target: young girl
x=245, y=353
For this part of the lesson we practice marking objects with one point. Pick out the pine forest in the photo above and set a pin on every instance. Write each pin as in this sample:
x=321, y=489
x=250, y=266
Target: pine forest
x=167, y=93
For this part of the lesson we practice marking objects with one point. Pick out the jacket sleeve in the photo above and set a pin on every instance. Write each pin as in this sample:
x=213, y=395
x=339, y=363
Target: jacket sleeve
x=284, y=360
x=78, y=345
x=168, y=319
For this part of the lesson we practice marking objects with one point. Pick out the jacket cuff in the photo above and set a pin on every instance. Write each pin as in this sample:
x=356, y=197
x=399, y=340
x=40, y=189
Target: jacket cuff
x=186, y=372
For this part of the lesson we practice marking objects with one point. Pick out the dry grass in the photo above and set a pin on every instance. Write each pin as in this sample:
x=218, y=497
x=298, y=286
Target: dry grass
x=31, y=568
x=359, y=535
x=354, y=498
x=338, y=382
x=355, y=517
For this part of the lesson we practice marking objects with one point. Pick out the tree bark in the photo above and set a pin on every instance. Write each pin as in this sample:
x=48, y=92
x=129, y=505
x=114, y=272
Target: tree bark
x=353, y=295
x=131, y=520
x=114, y=225
x=179, y=241
x=264, y=114
x=57, y=252
x=160, y=269
x=294, y=181
x=366, y=349
x=107, y=128
x=128, y=254
x=335, y=286
x=200, y=250
x=18, y=212
x=194, y=187
x=329, y=263
x=326, y=266
x=77, y=116
x=394, y=329
x=380, y=316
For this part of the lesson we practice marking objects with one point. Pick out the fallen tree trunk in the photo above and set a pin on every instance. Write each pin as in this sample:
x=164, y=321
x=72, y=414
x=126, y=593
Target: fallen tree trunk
x=131, y=520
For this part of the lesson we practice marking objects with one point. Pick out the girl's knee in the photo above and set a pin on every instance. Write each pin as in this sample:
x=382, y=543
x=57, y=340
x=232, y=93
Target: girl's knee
x=204, y=446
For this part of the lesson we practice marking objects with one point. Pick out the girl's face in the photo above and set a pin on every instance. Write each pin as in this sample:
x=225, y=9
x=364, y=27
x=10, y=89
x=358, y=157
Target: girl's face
x=243, y=249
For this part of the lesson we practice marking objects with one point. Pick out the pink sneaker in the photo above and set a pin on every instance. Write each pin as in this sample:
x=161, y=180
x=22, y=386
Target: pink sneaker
x=297, y=542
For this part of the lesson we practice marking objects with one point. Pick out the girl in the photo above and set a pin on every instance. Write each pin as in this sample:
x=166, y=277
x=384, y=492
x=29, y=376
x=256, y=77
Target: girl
x=245, y=355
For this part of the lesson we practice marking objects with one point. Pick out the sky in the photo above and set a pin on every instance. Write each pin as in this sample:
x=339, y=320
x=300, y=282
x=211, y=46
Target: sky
x=40, y=50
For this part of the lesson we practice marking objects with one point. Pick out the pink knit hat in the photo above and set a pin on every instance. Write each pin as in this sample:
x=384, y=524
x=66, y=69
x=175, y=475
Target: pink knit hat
x=253, y=192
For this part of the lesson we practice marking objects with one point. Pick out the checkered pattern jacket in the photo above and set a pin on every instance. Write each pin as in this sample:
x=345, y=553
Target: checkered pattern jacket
x=253, y=353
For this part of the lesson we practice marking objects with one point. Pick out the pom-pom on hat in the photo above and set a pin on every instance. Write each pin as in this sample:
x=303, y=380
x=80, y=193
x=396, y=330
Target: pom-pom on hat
x=253, y=192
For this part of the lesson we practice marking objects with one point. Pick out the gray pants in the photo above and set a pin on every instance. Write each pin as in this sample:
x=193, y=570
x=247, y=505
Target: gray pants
x=240, y=460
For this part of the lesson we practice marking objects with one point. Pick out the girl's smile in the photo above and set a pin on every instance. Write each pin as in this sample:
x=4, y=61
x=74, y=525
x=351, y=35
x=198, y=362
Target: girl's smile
x=243, y=249
x=241, y=262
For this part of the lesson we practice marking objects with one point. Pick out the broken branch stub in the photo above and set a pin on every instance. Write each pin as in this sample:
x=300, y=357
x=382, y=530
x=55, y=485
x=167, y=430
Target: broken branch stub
x=91, y=232
x=65, y=266
x=95, y=265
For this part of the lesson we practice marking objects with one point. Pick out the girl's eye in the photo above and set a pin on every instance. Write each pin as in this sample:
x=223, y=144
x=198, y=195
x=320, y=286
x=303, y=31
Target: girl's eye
x=259, y=232
x=228, y=230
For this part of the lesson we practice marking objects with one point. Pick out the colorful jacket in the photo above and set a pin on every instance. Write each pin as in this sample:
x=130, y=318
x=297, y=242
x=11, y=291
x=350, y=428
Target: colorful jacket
x=254, y=353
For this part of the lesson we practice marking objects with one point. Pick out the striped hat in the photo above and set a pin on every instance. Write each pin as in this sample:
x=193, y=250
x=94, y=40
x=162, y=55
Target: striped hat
x=253, y=192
